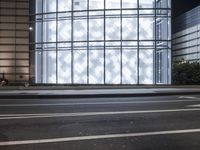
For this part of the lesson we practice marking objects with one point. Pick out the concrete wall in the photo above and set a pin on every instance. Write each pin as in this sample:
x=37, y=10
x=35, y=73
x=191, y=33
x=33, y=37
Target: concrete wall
x=14, y=40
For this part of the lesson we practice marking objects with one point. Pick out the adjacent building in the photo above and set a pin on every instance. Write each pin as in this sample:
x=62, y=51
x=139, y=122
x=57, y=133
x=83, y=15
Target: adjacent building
x=14, y=40
x=186, y=37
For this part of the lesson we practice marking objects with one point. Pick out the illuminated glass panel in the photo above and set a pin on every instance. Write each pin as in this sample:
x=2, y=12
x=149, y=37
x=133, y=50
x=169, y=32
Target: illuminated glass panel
x=96, y=4
x=96, y=67
x=113, y=29
x=112, y=4
x=80, y=30
x=129, y=68
x=89, y=42
x=146, y=3
x=96, y=28
x=49, y=67
x=64, y=67
x=146, y=30
x=80, y=4
x=64, y=30
x=64, y=5
x=129, y=26
x=146, y=66
x=129, y=4
x=80, y=67
x=112, y=67
x=49, y=5
x=49, y=31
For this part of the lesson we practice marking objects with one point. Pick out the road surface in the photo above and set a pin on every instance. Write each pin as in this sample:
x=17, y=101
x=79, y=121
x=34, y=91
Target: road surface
x=131, y=123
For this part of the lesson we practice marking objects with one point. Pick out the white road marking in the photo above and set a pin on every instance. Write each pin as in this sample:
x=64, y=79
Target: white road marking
x=188, y=97
x=198, y=105
x=97, y=137
x=54, y=115
x=96, y=103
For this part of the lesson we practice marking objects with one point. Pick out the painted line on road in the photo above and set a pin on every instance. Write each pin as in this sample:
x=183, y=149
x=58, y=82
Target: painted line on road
x=189, y=97
x=81, y=114
x=97, y=137
x=198, y=105
x=96, y=103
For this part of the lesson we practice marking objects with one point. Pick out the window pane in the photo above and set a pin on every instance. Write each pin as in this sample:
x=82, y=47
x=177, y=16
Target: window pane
x=146, y=28
x=49, y=32
x=113, y=29
x=49, y=5
x=64, y=5
x=112, y=67
x=112, y=4
x=80, y=4
x=49, y=66
x=162, y=29
x=146, y=3
x=129, y=29
x=80, y=30
x=96, y=28
x=64, y=30
x=64, y=66
x=96, y=4
x=129, y=3
x=80, y=66
x=163, y=4
x=161, y=65
x=96, y=66
x=129, y=66
x=146, y=66
x=38, y=32
x=38, y=68
x=38, y=6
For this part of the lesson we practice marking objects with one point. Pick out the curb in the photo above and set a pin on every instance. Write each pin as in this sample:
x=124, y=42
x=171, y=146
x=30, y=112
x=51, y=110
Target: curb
x=53, y=96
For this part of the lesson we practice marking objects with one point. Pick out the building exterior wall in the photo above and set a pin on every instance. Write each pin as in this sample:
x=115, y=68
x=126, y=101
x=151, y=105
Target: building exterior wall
x=102, y=41
x=186, y=37
x=14, y=40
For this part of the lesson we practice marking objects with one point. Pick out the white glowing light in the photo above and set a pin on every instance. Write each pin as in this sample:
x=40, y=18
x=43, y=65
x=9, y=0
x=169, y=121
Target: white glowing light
x=30, y=28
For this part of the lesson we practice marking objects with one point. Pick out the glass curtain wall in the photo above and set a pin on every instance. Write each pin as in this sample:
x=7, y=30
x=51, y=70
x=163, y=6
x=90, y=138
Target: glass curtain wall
x=103, y=41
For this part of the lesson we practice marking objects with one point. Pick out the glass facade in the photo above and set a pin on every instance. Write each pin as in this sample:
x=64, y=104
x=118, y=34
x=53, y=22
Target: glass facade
x=102, y=41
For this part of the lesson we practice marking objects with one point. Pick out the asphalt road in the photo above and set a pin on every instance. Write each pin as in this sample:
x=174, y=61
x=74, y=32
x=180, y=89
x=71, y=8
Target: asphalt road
x=135, y=123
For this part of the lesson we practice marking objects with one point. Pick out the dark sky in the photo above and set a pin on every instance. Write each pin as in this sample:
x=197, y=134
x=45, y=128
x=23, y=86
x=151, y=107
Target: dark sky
x=181, y=6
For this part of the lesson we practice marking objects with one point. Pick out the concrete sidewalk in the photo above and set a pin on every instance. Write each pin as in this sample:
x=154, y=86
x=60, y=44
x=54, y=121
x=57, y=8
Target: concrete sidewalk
x=89, y=92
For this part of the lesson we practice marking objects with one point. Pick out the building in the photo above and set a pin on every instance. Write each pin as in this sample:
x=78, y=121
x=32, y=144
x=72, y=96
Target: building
x=14, y=40
x=186, y=37
x=99, y=42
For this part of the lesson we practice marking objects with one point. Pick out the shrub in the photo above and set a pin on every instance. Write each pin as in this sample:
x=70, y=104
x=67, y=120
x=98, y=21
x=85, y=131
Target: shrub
x=186, y=73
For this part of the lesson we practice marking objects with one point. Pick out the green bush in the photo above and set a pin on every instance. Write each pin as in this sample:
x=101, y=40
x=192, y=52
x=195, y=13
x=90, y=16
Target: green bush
x=186, y=73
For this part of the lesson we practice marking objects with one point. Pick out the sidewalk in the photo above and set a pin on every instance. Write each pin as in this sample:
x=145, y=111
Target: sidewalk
x=94, y=91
